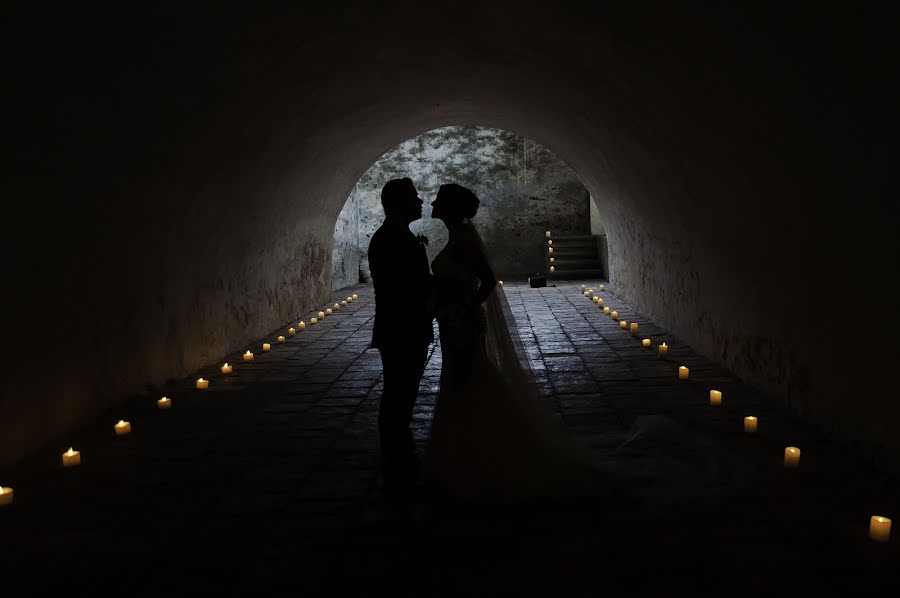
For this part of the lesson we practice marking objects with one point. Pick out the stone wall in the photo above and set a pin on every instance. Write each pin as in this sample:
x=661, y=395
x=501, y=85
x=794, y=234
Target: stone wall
x=523, y=187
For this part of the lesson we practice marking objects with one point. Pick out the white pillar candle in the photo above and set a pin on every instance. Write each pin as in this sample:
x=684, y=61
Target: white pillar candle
x=292, y=332
x=623, y=324
x=614, y=315
x=164, y=403
x=355, y=296
x=321, y=315
x=633, y=328
x=583, y=288
x=266, y=347
x=547, y=234
x=123, y=428
x=602, y=287
x=6, y=496
x=663, y=349
x=549, y=242
x=202, y=384
x=280, y=339
x=301, y=325
x=552, y=269
x=606, y=310
x=313, y=321
x=683, y=373
x=645, y=343
x=751, y=424
x=792, y=457
x=552, y=260
x=715, y=397
x=336, y=306
x=344, y=302
x=71, y=458
x=349, y=299
x=328, y=312
x=248, y=356
x=227, y=368
x=599, y=302
x=880, y=528
x=549, y=250
x=586, y=293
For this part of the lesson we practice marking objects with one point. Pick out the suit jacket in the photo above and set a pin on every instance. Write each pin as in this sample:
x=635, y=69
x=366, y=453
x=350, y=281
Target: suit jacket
x=403, y=288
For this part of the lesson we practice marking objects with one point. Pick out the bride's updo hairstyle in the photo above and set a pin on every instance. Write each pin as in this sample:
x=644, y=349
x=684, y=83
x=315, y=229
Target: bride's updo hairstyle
x=460, y=202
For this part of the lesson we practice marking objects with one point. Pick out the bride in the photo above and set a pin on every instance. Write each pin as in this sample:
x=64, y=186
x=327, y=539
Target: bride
x=492, y=440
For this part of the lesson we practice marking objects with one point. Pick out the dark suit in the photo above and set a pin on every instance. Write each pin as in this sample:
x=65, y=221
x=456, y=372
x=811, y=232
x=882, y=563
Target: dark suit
x=402, y=332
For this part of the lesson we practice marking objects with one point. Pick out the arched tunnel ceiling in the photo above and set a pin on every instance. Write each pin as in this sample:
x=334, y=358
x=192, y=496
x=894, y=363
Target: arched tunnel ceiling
x=194, y=162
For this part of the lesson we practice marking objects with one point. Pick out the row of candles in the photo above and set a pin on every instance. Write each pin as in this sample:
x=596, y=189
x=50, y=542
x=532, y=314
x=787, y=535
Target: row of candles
x=879, y=526
x=550, y=251
x=72, y=458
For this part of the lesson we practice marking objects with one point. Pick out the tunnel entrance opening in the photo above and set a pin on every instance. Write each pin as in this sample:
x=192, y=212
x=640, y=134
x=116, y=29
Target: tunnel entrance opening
x=524, y=188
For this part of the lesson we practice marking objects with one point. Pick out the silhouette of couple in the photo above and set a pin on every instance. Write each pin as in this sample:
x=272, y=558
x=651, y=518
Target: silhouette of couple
x=491, y=439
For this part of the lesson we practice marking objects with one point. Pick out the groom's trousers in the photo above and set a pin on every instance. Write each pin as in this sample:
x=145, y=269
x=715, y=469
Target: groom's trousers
x=403, y=368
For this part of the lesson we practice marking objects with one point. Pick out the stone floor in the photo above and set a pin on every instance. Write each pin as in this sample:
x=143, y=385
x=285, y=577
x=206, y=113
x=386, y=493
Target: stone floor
x=268, y=482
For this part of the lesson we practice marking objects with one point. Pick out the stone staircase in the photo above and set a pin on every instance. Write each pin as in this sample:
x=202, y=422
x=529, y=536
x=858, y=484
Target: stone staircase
x=574, y=257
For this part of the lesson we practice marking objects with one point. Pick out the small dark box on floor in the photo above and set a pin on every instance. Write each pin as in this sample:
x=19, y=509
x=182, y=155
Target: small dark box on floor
x=538, y=280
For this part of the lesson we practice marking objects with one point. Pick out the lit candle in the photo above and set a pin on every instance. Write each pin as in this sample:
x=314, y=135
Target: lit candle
x=71, y=458
x=292, y=332
x=349, y=299
x=501, y=282
x=280, y=339
x=599, y=302
x=606, y=310
x=337, y=306
x=663, y=349
x=683, y=373
x=266, y=347
x=313, y=321
x=226, y=369
x=202, y=384
x=552, y=259
x=344, y=302
x=164, y=403
x=715, y=397
x=614, y=315
x=633, y=328
x=355, y=296
x=248, y=356
x=123, y=428
x=645, y=343
x=301, y=325
x=6, y=496
x=880, y=528
x=552, y=269
x=792, y=457
x=328, y=312
x=591, y=293
x=623, y=324
x=549, y=242
x=547, y=234
x=583, y=288
x=549, y=250
x=321, y=315
x=602, y=288
x=750, y=424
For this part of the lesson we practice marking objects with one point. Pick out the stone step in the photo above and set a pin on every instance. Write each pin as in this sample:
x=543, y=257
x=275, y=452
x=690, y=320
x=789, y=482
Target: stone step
x=570, y=264
x=576, y=274
x=573, y=254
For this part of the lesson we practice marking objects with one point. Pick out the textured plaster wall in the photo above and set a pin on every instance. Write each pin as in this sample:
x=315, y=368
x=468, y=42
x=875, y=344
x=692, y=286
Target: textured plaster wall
x=523, y=187
x=177, y=176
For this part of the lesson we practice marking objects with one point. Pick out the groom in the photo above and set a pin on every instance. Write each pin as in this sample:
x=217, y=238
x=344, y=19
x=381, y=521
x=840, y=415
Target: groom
x=402, y=329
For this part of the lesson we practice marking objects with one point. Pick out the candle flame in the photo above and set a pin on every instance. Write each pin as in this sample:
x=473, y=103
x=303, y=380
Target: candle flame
x=70, y=452
x=201, y=380
x=121, y=422
x=226, y=364
x=880, y=519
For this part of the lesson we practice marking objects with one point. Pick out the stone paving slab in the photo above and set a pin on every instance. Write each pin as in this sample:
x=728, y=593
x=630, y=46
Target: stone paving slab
x=268, y=483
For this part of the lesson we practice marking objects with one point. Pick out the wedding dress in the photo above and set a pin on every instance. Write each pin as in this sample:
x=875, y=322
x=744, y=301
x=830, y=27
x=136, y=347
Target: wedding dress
x=492, y=439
